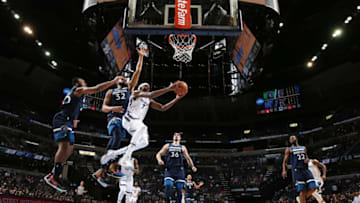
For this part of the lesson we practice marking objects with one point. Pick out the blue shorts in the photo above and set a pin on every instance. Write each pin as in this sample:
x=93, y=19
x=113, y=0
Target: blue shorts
x=116, y=122
x=175, y=174
x=62, y=128
x=304, y=179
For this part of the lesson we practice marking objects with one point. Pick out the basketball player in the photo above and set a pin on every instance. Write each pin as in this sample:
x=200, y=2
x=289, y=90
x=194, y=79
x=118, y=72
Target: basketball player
x=64, y=122
x=115, y=105
x=314, y=166
x=190, y=186
x=135, y=194
x=304, y=180
x=174, y=171
x=127, y=181
x=139, y=104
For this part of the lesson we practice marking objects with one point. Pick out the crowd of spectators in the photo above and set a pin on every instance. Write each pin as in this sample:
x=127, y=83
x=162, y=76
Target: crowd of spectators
x=334, y=191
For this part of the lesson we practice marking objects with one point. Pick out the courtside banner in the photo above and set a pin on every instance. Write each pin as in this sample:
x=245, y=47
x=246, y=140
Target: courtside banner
x=183, y=14
x=15, y=199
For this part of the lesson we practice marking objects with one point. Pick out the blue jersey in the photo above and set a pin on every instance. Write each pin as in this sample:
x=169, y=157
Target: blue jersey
x=72, y=105
x=174, y=157
x=119, y=97
x=189, y=187
x=297, y=157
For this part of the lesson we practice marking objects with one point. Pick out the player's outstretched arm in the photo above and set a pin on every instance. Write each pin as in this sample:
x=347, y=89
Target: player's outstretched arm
x=286, y=158
x=106, y=108
x=79, y=92
x=322, y=166
x=161, y=153
x=196, y=186
x=156, y=93
x=135, y=78
x=188, y=159
x=159, y=107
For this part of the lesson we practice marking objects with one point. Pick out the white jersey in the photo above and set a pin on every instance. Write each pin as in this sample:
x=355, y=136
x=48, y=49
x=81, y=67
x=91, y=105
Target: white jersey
x=138, y=107
x=314, y=170
x=128, y=170
x=135, y=192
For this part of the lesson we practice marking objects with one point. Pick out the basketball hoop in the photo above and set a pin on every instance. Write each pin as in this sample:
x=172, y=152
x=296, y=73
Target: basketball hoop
x=183, y=45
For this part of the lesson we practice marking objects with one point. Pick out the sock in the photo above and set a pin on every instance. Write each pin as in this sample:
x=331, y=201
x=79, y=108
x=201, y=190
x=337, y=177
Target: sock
x=317, y=196
x=57, y=169
x=168, y=192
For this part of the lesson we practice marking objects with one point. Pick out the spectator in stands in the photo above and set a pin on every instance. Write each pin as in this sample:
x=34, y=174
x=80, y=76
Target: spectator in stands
x=80, y=191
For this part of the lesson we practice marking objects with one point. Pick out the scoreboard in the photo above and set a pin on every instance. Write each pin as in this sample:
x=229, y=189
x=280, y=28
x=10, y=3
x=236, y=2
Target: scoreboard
x=278, y=100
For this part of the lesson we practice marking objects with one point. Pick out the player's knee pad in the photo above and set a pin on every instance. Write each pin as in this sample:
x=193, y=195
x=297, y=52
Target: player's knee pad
x=169, y=183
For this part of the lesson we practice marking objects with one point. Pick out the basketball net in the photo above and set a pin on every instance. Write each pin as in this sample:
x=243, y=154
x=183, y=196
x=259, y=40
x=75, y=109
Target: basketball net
x=183, y=45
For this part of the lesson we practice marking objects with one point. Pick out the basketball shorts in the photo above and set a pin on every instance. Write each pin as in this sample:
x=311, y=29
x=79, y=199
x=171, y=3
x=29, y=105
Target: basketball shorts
x=175, y=174
x=63, y=128
x=304, y=180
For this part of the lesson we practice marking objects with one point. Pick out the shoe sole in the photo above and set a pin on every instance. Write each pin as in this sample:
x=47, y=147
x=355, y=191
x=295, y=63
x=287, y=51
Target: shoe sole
x=107, y=157
x=99, y=182
x=53, y=186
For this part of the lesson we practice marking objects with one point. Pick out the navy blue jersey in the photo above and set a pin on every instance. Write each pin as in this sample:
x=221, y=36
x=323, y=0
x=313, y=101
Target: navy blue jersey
x=189, y=187
x=72, y=105
x=297, y=157
x=119, y=97
x=174, y=157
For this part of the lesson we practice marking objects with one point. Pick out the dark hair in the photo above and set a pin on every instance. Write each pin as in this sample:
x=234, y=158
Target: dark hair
x=75, y=80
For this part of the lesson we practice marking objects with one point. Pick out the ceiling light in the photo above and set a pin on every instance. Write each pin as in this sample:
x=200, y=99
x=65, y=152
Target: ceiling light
x=16, y=16
x=324, y=46
x=328, y=117
x=348, y=19
x=219, y=133
x=28, y=30
x=358, y=7
x=32, y=143
x=54, y=63
x=337, y=33
x=310, y=64
x=314, y=58
x=87, y=153
x=281, y=24
x=4, y=1
x=38, y=43
x=293, y=125
x=247, y=132
x=47, y=53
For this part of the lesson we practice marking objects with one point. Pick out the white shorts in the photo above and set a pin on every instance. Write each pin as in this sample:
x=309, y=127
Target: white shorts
x=133, y=199
x=127, y=183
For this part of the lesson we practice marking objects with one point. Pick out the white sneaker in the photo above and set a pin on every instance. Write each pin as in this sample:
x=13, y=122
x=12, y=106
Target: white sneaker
x=298, y=199
x=126, y=163
x=110, y=155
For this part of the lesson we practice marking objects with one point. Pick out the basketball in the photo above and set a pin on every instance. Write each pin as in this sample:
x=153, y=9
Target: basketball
x=182, y=88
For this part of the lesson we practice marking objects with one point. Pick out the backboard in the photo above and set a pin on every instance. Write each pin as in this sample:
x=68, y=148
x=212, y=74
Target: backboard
x=210, y=17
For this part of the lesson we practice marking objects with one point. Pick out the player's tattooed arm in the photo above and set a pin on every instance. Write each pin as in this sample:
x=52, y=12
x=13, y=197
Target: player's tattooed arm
x=156, y=93
x=106, y=108
x=322, y=166
x=135, y=78
x=160, y=107
x=136, y=167
x=286, y=158
x=161, y=153
x=188, y=159
x=306, y=157
x=79, y=92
